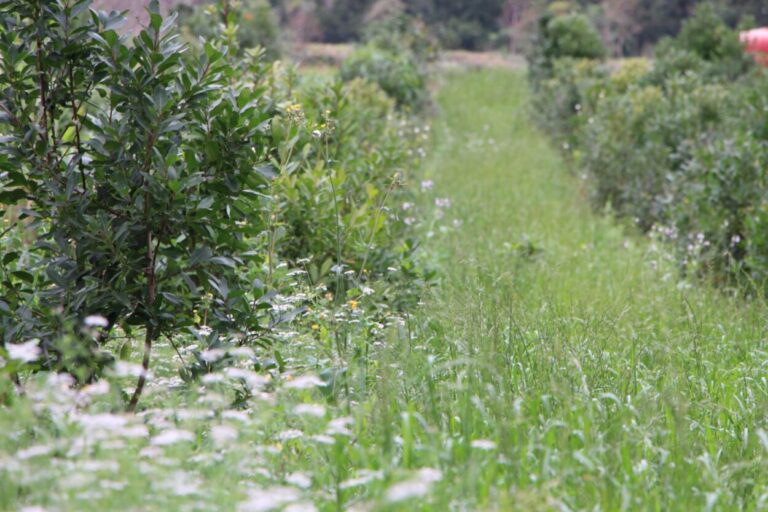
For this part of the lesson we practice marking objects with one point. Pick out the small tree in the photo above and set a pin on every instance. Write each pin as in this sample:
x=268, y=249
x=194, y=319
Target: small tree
x=136, y=168
x=559, y=36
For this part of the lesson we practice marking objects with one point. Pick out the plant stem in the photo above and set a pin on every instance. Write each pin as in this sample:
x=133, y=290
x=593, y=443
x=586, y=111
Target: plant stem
x=150, y=327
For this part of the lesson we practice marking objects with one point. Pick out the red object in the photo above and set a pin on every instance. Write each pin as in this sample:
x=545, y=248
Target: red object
x=756, y=42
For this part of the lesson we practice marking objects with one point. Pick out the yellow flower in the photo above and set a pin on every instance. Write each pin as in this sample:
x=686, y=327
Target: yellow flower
x=353, y=304
x=315, y=327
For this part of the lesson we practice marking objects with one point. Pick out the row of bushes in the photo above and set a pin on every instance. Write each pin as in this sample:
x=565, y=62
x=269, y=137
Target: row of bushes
x=395, y=54
x=678, y=144
x=147, y=191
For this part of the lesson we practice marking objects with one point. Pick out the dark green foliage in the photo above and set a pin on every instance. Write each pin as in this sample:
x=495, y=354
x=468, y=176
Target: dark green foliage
x=257, y=24
x=342, y=20
x=399, y=32
x=568, y=36
x=460, y=23
x=679, y=147
x=572, y=36
x=150, y=194
x=706, y=45
x=396, y=57
x=397, y=73
x=126, y=155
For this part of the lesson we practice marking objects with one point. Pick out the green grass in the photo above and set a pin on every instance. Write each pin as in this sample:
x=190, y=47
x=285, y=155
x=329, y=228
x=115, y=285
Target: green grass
x=591, y=374
x=606, y=382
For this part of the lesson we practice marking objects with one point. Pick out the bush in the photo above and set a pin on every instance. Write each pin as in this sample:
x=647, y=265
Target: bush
x=636, y=143
x=570, y=36
x=565, y=100
x=705, y=45
x=398, y=32
x=398, y=74
x=573, y=36
x=337, y=206
x=679, y=147
x=136, y=155
x=157, y=195
x=256, y=24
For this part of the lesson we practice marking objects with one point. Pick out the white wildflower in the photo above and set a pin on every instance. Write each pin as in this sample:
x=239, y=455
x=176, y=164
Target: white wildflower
x=300, y=480
x=263, y=500
x=34, y=451
x=104, y=421
x=133, y=432
x=416, y=487
x=98, y=388
x=483, y=444
x=236, y=415
x=315, y=410
x=213, y=354
x=150, y=452
x=252, y=379
x=305, y=382
x=95, y=321
x=213, y=378
x=427, y=185
x=24, y=352
x=364, y=477
x=339, y=426
x=287, y=435
x=124, y=369
x=172, y=436
x=111, y=485
x=223, y=434
x=323, y=439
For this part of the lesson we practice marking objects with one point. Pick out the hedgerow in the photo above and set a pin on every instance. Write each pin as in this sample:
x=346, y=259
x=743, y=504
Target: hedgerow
x=677, y=145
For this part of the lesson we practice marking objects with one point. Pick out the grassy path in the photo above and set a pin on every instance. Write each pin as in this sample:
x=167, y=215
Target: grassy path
x=604, y=381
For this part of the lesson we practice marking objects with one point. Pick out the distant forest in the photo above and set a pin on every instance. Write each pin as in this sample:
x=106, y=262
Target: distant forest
x=627, y=26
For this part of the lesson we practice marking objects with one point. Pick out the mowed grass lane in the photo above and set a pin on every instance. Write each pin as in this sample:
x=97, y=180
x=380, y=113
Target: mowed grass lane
x=604, y=380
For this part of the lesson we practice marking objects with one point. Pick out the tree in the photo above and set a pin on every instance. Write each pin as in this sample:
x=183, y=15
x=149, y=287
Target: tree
x=138, y=169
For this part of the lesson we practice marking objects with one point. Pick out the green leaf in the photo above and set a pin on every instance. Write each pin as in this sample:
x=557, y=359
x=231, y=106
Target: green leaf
x=125, y=350
x=13, y=195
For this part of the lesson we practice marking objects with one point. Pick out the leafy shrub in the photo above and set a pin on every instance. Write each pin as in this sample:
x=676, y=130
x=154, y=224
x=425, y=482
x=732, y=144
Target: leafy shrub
x=337, y=201
x=252, y=22
x=637, y=141
x=158, y=195
x=125, y=165
x=400, y=33
x=564, y=101
x=399, y=74
x=679, y=146
x=570, y=36
x=574, y=36
x=705, y=45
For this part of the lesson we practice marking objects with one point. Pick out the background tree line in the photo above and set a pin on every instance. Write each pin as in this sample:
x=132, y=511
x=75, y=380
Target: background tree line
x=627, y=27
